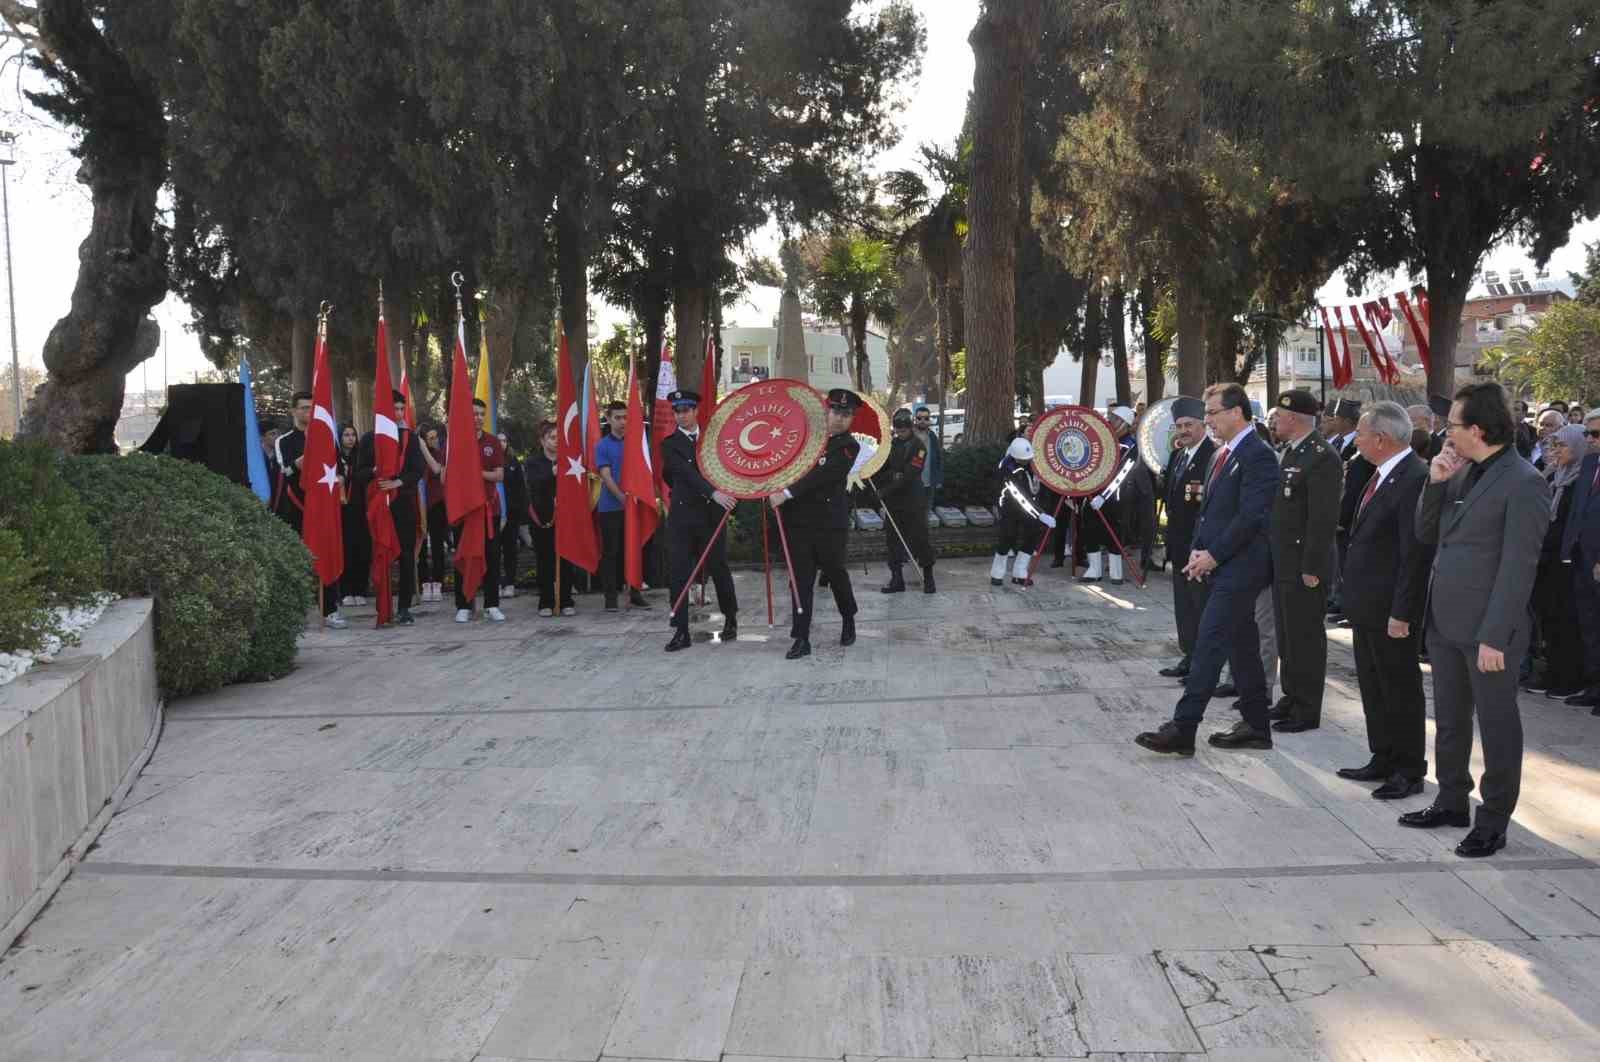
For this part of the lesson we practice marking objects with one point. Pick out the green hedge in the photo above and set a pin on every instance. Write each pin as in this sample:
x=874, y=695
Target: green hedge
x=972, y=474
x=49, y=557
x=232, y=583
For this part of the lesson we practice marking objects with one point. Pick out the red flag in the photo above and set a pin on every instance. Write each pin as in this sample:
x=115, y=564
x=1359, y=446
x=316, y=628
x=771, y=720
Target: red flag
x=1374, y=351
x=576, y=540
x=708, y=384
x=322, y=529
x=663, y=422
x=1419, y=331
x=1388, y=367
x=639, y=490
x=1348, y=363
x=466, y=502
x=1341, y=367
x=386, y=465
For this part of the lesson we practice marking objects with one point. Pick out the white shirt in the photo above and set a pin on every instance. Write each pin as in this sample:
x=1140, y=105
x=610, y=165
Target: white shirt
x=1389, y=466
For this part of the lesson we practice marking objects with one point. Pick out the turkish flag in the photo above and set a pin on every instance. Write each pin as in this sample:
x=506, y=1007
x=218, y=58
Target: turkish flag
x=1419, y=329
x=1341, y=369
x=576, y=540
x=322, y=529
x=639, y=516
x=466, y=503
x=386, y=465
x=708, y=384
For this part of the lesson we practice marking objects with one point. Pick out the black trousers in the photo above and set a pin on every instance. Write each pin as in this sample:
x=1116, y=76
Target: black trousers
x=1390, y=677
x=357, y=551
x=1553, y=598
x=544, y=559
x=819, y=550
x=687, y=536
x=1300, y=618
x=1228, y=633
x=913, y=524
x=1460, y=692
x=1586, y=598
x=491, y=577
x=1188, y=602
x=611, y=570
x=438, y=541
x=509, y=544
x=405, y=529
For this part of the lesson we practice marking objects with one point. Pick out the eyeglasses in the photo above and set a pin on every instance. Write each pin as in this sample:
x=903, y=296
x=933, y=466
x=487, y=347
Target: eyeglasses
x=1215, y=412
x=1455, y=424
x=1592, y=434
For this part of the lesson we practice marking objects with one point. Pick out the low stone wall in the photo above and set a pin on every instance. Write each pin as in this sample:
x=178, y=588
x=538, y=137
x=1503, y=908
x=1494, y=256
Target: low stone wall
x=74, y=734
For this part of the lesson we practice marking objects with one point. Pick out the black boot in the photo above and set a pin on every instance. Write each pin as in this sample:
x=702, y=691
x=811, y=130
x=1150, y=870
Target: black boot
x=801, y=647
x=730, y=630
x=927, y=579
x=897, y=582
x=847, y=635
x=680, y=640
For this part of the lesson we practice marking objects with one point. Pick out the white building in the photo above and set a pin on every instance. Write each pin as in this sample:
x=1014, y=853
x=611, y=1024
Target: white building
x=750, y=354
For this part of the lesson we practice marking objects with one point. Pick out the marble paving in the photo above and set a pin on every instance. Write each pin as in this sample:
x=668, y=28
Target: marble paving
x=548, y=840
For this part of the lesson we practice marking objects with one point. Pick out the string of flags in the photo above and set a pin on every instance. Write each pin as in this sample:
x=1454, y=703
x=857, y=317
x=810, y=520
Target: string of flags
x=1369, y=319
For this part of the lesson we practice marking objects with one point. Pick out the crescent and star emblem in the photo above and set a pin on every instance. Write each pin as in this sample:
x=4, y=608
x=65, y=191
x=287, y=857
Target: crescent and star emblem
x=744, y=436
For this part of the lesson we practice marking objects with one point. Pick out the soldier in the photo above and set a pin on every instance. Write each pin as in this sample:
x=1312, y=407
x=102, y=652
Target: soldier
x=818, y=523
x=1123, y=505
x=900, y=486
x=1304, y=515
x=1183, y=487
x=692, y=519
x=1020, y=519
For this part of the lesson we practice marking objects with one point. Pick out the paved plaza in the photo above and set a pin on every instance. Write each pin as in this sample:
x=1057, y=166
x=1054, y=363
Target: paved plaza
x=549, y=840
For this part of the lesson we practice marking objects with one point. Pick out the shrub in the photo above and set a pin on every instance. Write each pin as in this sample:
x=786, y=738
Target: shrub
x=49, y=555
x=231, y=582
x=971, y=474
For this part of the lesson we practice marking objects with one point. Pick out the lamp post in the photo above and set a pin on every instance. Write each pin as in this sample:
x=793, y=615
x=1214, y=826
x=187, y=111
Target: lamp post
x=8, y=155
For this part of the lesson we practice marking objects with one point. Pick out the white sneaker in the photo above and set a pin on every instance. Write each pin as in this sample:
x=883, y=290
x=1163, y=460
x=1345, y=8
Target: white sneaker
x=569, y=611
x=546, y=613
x=360, y=600
x=463, y=615
x=430, y=592
x=337, y=622
x=508, y=591
x=346, y=601
x=494, y=615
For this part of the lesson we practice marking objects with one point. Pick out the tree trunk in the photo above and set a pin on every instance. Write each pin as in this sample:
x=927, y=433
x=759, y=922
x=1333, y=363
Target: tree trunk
x=1093, y=341
x=1004, y=43
x=342, y=412
x=793, y=362
x=302, y=347
x=716, y=347
x=1117, y=320
x=122, y=264
x=572, y=274
x=397, y=314
x=689, y=304
x=654, y=320
x=942, y=334
x=1036, y=381
x=1273, y=383
x=1447, y=296
x=858, y=344
x=1155, y=377
x=360, y=406
x=1191, y=340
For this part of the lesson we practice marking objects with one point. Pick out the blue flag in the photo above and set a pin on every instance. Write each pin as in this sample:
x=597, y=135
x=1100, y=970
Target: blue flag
x=254, y=460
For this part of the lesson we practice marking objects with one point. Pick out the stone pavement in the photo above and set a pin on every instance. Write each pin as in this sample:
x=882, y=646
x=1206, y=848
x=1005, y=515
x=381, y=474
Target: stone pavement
x=549, y=840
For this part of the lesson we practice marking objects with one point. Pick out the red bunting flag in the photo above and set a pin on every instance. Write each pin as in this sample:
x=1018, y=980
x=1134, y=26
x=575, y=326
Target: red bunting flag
x=322, y=529
x=1419, y=330
x=576, y=540
x=638, y=488
x=386, y=465
x=708, y=384
x=1387, y=364
x=466, y=501
x=1341, y=367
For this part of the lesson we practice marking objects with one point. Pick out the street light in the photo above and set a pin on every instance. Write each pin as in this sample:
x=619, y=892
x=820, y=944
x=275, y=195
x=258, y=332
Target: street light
x=8, y=155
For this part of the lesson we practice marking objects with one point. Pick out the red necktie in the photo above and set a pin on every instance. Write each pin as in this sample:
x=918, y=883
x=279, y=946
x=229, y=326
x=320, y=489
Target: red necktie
x=1222, y=462
x=1366, y=495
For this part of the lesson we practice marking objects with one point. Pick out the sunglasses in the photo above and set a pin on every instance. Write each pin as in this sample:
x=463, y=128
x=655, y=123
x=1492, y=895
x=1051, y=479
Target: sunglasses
x=1592, y=434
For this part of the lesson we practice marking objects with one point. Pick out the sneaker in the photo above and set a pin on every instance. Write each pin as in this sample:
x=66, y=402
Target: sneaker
x=346, y=601
x=508, y=591
x=494, y=615
x=569, y=611
x=546, y=613
x=463, y=615
x=337, y=622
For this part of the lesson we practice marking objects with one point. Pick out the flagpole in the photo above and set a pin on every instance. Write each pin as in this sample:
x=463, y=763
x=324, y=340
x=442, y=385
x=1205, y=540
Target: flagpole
x=322, y=337
x=766, y=563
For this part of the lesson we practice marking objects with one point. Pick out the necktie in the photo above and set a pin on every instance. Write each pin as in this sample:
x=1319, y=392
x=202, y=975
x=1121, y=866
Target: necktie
x=1594, y=484
x=1366, y=495
x=1222, y=462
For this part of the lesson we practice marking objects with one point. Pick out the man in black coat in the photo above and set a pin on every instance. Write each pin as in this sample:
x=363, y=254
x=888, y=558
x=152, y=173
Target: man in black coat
x=816, y=516
x=1385, y=599
x=692, y=518
x=1341, y=435
x=899, y=486
x=1183, y=488
x=402, y=503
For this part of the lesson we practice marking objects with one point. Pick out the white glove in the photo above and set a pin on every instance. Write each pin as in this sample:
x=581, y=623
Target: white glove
x=1097, y=503
x=1047, y=520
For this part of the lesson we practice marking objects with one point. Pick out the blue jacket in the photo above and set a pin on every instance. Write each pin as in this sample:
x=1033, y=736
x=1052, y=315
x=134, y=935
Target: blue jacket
x=1583, y=522
x=1235, y=513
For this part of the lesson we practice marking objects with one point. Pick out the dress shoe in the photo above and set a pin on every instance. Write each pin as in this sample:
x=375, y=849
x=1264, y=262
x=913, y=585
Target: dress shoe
x=847, y=634
x=895, y=585
x=1594, y=711
x=1225, y=689
x=1372, y=772
x=1242, y=736
x=730, y=630
x=1480, y=843
x=1088, y=578
x=1295, y=726
x=1170, y=738
x=1433, y=816
x=1589, y=698
x=1279, y=712
x=997, y=582
x=1398, y=787
x=927, y=580
x=1561, y=693
x=637, y=600
x=801, y=647
x=1059, y=562
x=1176, y=671
x=1118, y=582
x=680, y=640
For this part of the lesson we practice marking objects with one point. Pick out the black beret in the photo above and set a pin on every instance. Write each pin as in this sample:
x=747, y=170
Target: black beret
x=1188, y=407
x=1299, y=402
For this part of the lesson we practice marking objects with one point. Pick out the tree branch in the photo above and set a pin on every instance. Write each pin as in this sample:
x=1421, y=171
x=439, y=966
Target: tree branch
x=20, y=22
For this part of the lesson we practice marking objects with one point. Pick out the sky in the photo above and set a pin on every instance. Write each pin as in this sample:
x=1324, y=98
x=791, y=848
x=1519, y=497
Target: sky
x=50, y=210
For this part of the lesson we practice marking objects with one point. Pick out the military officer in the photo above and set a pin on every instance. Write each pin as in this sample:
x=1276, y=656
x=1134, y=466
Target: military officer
x=1304, y=514
x=899, y=485
x=816, y=515
x=692, y=519
x=1183, y=488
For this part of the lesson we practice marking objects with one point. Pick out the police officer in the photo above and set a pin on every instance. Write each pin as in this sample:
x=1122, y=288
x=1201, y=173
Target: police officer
x=1305, y=514
x=816, y=516
x=899, y=484
x=692, y=519
x=1183, y=488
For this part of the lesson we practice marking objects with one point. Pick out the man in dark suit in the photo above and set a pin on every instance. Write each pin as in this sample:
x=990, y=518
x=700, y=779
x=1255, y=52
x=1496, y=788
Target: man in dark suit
x=1385, y=595
x=1230, y=549
x=1183, y=487
x=816, y=515
x=1304, y=512
x=692, y=519
x=1487, y=510
x=1341, y=428
x=1580, y=548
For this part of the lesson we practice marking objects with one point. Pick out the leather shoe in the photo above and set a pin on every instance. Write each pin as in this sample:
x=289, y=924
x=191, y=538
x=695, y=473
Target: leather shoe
x=730, y=630
x=1433, y=816
x=1279, y=712
x=637, y=600
x=1295, y=726
x=1168, y=738
x=847, y=635
x=897, y=585
x=1242, y=736
x=1226, y=689
x=1480, y=844
x=928, y=586
x=680, y=640
x=801, y=647
x=1370, y=773
x=1398, y=788
x=1589, y=698
x=1176, y=671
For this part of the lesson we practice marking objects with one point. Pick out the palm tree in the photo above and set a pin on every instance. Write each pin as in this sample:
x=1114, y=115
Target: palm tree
x=856, y=282
x=936, y=224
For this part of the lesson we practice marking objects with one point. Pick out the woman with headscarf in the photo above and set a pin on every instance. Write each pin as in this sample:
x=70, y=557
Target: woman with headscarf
x=357, y=539
x=1564, y=450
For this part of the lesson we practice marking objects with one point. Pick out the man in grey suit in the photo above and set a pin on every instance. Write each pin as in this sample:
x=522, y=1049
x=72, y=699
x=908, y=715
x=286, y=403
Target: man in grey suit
x=1487, y=510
